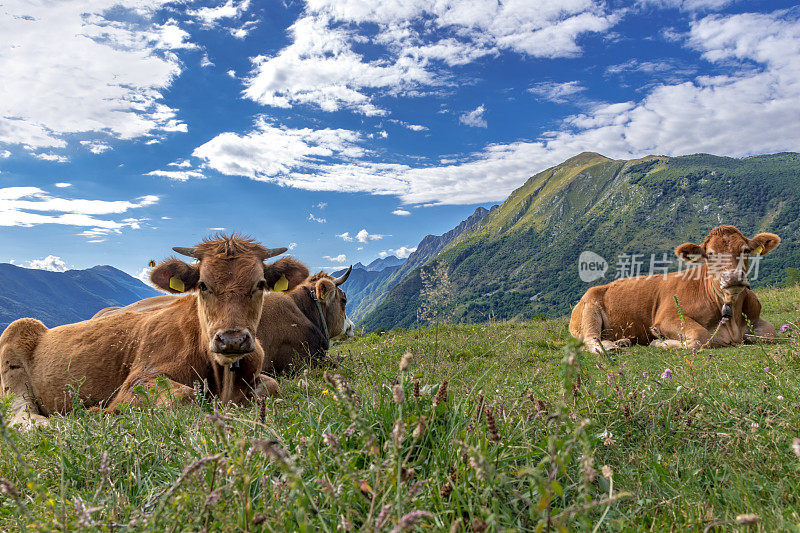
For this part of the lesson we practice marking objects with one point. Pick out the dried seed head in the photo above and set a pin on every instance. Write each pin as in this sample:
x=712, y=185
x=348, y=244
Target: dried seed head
x=747, y=519
x=441, y=394
x=408, y=521
x=405, y=362
x=8, y=488
x=415, y=391
x=456, y=526
x=478, y=525
x=494, y=433
x=608, y=472
x=796, y=447
x=398, y=394
x=262, y=409
x=382, y=516
x=479, y=412
x=447, y=488
x=419, y=429
x=259, y=519
x=330, y=440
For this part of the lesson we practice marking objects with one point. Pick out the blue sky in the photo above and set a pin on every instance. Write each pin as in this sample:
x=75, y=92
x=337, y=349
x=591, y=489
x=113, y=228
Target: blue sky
x=349, y=129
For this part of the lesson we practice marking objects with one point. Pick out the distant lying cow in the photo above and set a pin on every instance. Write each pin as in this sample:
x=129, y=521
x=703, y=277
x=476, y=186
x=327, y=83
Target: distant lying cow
x=296, y=327
x=643, y=310
x=205, y=336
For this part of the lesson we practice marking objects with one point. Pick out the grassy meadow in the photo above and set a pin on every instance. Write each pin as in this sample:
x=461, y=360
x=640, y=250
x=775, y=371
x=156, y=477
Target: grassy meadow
x=493, y=427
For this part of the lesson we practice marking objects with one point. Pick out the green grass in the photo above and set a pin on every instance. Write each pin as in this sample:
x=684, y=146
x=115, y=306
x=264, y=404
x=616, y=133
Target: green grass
x=339, y=453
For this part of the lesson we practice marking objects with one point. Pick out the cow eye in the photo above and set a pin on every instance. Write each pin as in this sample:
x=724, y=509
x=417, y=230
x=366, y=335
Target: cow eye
x=202, y=286
x=262, y=285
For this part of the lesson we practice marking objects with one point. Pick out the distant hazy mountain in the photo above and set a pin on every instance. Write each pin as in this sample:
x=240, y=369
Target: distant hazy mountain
x=58, y=298
x=386, y=262
x=522, y=258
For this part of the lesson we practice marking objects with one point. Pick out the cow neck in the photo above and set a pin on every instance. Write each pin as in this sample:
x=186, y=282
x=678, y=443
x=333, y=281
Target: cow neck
x=323, y=324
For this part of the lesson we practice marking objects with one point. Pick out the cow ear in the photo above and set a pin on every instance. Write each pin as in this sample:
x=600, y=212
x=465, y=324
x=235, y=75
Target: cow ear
x=765, y=241
x=690, y=252
x=175, y=276
x=325, y=287
x=285, y=274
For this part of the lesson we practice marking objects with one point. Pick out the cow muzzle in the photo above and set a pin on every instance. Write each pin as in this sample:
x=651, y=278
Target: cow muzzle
x=233, y=342
x=727, y=311
x=733, y=279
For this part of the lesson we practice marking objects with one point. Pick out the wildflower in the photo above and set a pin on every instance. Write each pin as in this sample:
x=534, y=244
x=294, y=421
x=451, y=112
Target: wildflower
x=753, y=426
x=398, y=393
x=330, y=440
x=780, y=397
x=382, y=516
x=666, y=374
x=405, y=362
x=408, y=521
x=212, y=498
x=785, y=328
x=608, y=472
x=397, y=431
x=326, y=391
x=796, y=447
x=679, y=389
x=608, y=438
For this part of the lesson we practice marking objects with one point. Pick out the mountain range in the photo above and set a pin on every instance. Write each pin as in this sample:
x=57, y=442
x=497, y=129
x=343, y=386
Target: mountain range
x=521, y=259
x=58, y=298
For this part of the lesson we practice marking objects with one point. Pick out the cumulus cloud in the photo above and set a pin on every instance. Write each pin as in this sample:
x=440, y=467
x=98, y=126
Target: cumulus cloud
x=52, y=263
x=474, y=118
x=341, y=258
x=211, y=16
x=50, y=156
x=86, y=66
x=313, y=218
x=62, y=185
x=557, y=92
x=418, y=40
x=345, y=236
x=401, y=212
x=31, y=206
x=96, y=147
x=748, y=110
x=402, y=252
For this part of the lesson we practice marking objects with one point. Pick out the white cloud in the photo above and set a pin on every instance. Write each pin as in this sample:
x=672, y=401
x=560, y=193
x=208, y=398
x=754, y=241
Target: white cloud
x=270, y=152
x=322, y=205
x=688, y=5
x=96, y=147
x=313, y=218
x=181, y=164
x=4, y=154
x=205, y=61
x=177, y=175
x=345, y=236
x=401, y=212
x=86, y=66
x=341, y=258
x=364, y=236
x=231, y=73
x=292, y=245
x=51, y=262
x=31, y=206
x=417, y=38
x=62, y=185
x=402, y=252
x=144, y=276
x=555, y=91
x=474, y=118
x=50, y=156
x=416, y=127
x=749, y=110
x=216, y=229
x=383, y=134
x=211, y=16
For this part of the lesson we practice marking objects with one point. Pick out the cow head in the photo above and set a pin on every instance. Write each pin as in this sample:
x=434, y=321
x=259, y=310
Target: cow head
x=229, y=278
x=333, y=300
x=727, y=252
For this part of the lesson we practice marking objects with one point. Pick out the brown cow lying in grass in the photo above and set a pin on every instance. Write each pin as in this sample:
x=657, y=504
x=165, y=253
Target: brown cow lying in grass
x=296, y=327
x=714, y=297
x=204, y=336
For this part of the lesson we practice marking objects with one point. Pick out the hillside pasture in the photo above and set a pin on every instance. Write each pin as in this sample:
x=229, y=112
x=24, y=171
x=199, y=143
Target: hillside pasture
x=491, y=427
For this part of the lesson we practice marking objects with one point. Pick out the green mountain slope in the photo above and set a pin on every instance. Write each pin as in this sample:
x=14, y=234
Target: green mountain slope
x=521, y=259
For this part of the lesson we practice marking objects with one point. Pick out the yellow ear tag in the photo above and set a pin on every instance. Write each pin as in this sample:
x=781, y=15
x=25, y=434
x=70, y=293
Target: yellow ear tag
x=176, y=284
x=282, y=284
x=758, y=250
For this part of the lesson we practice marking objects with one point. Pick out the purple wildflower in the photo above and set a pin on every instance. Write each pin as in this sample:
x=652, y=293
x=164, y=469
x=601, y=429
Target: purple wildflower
x=666, y=374
x=785, y=328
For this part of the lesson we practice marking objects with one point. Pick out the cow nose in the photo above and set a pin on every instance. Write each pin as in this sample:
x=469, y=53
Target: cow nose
x=732, y=278
x=350, y=328
x=727, y=311
x=233, y=341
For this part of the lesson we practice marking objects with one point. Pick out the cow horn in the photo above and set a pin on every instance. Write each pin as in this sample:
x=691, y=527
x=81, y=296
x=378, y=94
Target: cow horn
x=341, y=279
x=272, y=252
x=185, y=251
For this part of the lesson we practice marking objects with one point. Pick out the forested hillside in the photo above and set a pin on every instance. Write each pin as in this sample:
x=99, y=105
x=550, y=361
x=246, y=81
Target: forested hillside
x=521, y=259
